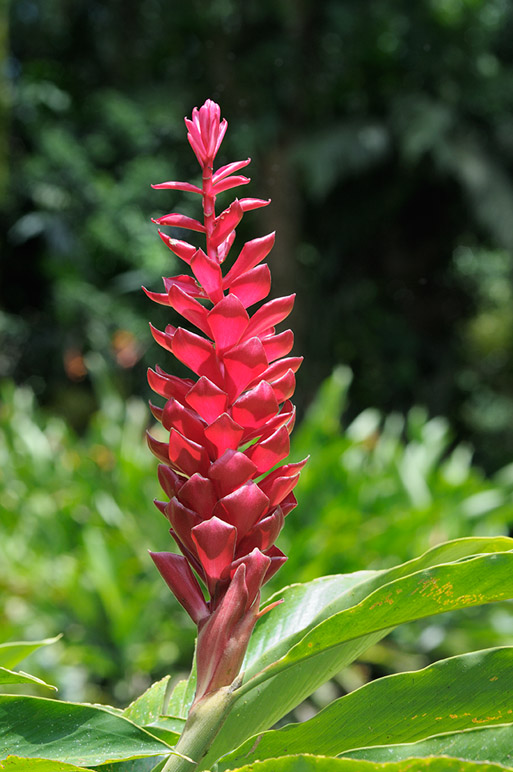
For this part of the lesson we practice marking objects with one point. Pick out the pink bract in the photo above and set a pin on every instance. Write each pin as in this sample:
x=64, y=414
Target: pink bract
x=229, y=426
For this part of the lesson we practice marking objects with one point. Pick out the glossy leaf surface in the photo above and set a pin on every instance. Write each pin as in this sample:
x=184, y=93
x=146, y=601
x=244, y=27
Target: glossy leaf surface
x=306, y=605
x=493, y=743
x=64, y=731
x=148, y=709
x=324, y=764
x=182, y=696
x=335, y=642
x=455, y=694
x=18, y=764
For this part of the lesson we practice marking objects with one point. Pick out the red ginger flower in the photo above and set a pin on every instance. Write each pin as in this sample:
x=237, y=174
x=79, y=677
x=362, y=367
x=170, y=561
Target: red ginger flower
x=229, y=428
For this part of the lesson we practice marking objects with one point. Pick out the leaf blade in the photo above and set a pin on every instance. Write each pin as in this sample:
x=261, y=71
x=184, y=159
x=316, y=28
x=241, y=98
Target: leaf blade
x=70, y=732
x=13, y=677
x=18, y=764
x=279, y=629
x=149, y=705
x=455, y=694
x=441, y=588
x=493, y=744
x=310, y=763
x=343, y=637
x=12, y=653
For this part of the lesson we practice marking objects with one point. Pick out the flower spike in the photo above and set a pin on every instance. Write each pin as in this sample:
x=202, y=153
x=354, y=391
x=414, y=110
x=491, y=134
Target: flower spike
x=222, y=468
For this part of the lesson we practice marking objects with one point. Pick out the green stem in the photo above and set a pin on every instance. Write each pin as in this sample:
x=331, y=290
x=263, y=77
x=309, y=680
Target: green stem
x=203, y=723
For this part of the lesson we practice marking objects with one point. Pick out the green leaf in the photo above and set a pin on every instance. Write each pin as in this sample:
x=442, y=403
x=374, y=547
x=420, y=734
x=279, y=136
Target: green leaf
x=182, y=696
x=455, y=694
x=180, y=700
x=338, y=640
x=137, y=765
x=307, y=605
x=150, y=705
x=491, y=743
x=324, y=764
x=12, y=653
x=147, y=711
x=163, y=732
x=18, y=764
x=447, y=587
x=168, y=723
x=304, y=606
x=66, y=731
x=12, y=677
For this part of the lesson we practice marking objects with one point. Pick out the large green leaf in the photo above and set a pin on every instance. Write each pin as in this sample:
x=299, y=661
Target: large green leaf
x=447, y=587
x=69, y=732
x=303, y=607
x=307, y=605
x=12, y=653
x=454, y=694
x=13, y=677
x=18, y=764
x=344, y=636
x=324, y=764
x=492, y=743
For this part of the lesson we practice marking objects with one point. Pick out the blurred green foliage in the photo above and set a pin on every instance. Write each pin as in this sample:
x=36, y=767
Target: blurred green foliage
x=379, y=490
x=76, y=522
x=76, y=518
x=382, y=131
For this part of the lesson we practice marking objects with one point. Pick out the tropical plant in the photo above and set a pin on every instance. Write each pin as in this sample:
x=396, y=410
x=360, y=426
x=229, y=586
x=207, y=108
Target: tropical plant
x=454, y=714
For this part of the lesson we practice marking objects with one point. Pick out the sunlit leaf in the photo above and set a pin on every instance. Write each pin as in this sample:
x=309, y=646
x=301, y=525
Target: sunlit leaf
x=65, y=731
x=338, y=640
x=149, y=706
x=459, y=693
x=491, y=743
x=12, y=677
x=18, y=764
x=324, y=764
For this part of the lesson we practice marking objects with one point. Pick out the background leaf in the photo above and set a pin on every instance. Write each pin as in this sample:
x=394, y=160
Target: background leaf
x=12, y=677
x=13, y=653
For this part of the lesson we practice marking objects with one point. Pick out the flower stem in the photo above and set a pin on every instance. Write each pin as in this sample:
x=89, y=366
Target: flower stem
x=203, y=723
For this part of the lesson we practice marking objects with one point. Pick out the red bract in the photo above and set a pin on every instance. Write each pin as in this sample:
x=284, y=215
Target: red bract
x=229, y=427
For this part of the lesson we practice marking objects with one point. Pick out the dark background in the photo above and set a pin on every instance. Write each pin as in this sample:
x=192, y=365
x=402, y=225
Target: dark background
x=383, y=131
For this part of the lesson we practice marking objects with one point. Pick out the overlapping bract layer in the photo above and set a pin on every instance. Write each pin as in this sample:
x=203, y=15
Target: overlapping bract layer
x=228, y=428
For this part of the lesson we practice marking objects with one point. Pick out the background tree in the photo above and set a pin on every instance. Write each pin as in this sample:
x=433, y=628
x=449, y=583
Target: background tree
x=384, y=133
